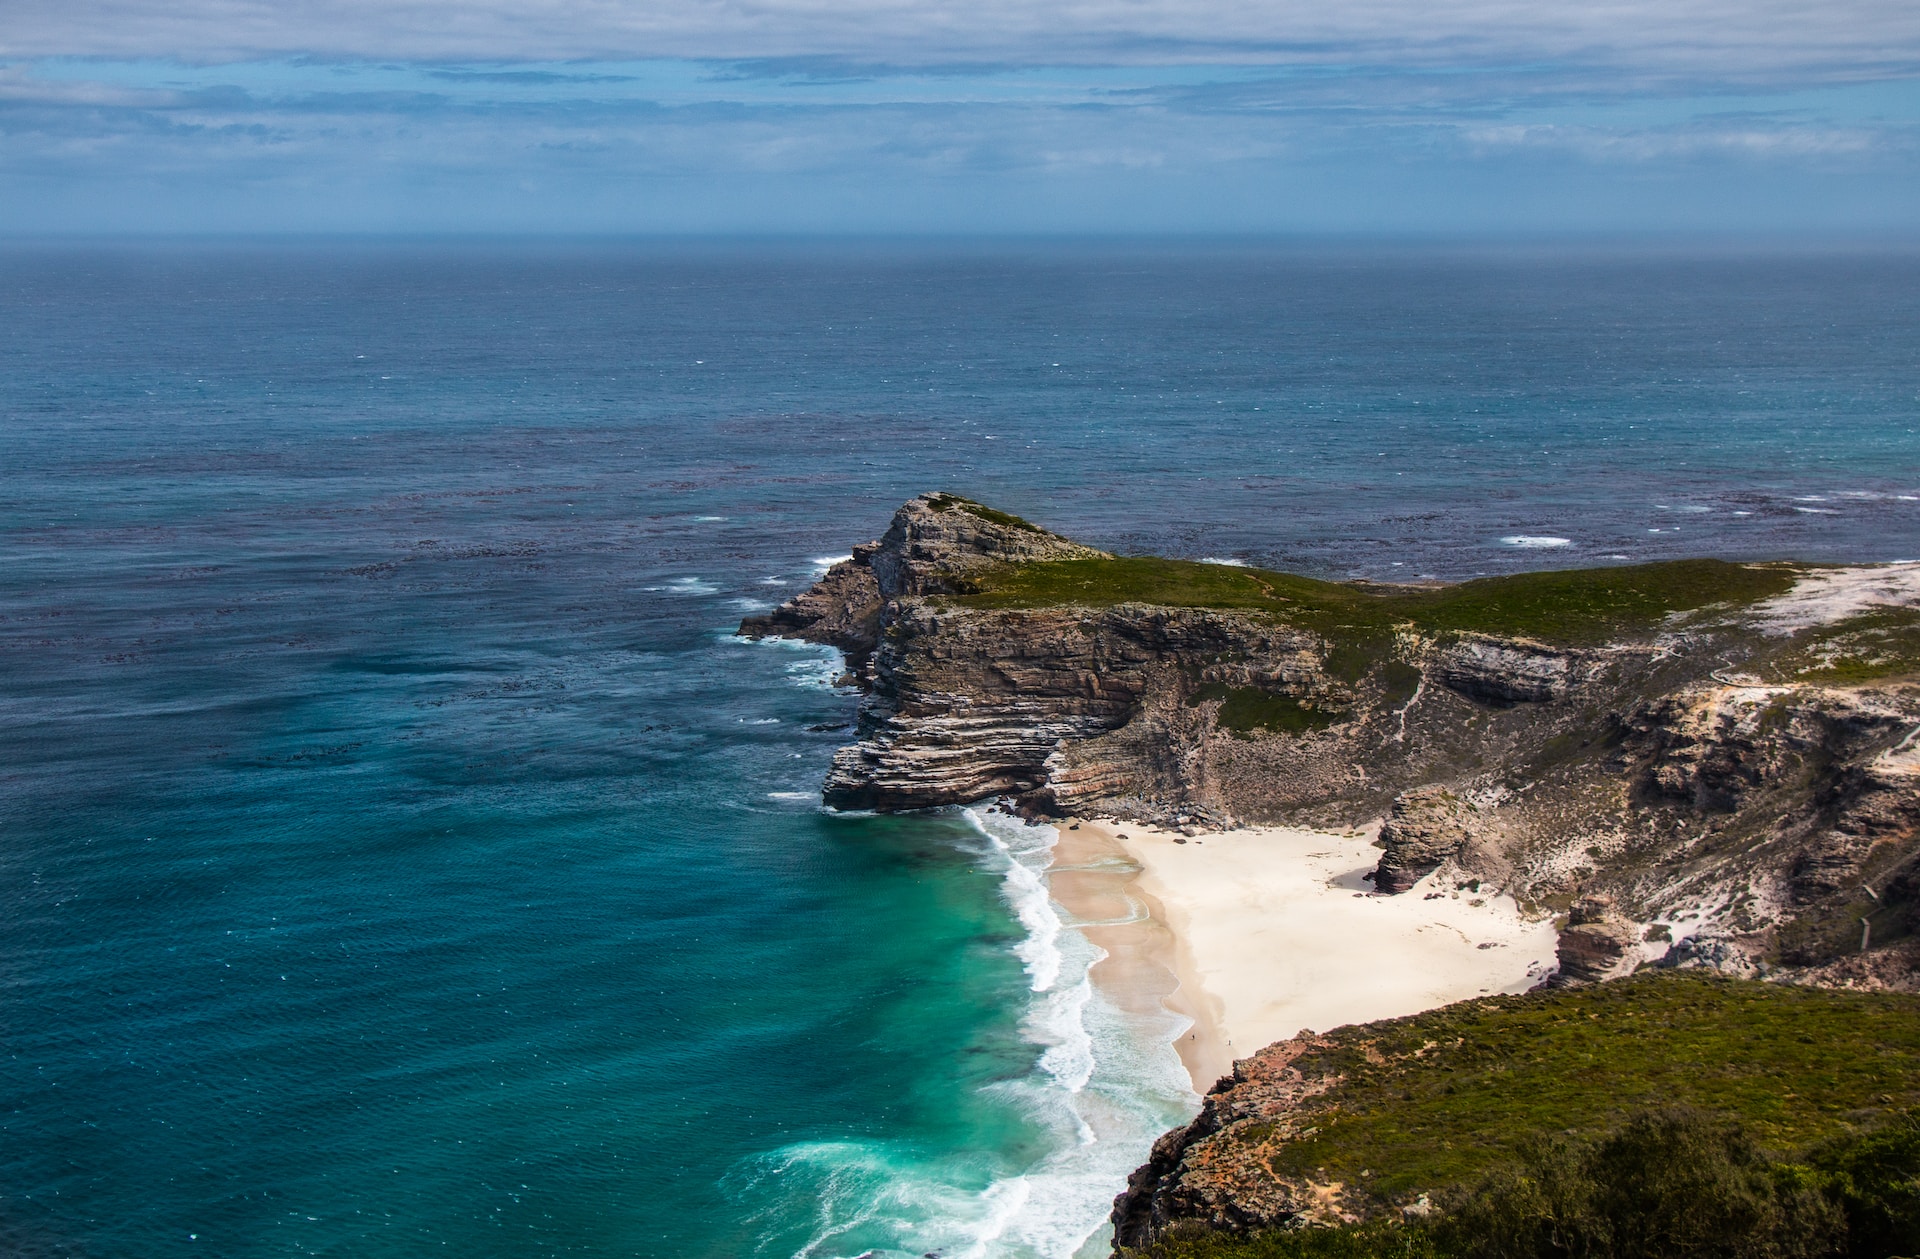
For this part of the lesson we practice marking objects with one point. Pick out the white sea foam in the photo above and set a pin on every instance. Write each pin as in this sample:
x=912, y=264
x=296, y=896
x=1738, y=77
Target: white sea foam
x=1026, y=892
x=817, y=669
x=708, y=520
x=793, y=795
x=688, y=586
x=1534, y=541
x=819, y=673
x=749, y=605
x=825, y=562
x=1104, y=1085
x=1228, y=560
x=1069, y=1059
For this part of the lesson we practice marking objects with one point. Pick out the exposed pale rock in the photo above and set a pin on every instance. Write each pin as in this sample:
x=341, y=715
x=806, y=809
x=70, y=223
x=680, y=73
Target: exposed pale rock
x=1713, y=950
x=936, y=538
x=1512, y=671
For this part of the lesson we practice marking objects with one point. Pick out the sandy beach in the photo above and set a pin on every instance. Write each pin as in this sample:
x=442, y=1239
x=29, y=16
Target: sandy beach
x=1258, y=933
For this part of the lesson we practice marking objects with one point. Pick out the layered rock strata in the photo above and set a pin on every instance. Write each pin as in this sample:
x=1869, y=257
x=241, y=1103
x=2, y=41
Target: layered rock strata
x=1424, y=828
x=1597, y=945
x=1671, y=809
x=1749, y=827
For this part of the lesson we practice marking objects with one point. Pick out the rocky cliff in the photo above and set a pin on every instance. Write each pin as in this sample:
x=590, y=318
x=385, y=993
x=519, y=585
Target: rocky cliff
x=1724, y=752
x=1697, y=765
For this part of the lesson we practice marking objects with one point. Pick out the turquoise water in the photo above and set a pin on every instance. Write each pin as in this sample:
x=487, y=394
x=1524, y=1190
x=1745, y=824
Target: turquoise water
x=403, y=857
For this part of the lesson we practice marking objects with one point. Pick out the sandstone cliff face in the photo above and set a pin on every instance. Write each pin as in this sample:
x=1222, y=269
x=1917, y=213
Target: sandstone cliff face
x=966, y=704
x=1739, y=826
x=1515, y=671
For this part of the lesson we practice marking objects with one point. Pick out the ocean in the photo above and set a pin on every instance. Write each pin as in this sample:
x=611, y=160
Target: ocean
x=402, y=856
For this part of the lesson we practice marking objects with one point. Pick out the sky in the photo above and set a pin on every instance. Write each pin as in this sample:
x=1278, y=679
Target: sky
x=1344, y=117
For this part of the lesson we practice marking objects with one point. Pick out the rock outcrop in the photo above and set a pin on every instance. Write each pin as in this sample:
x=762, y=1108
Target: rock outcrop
x=1425, y=827
x=1752, y=826
x=1213, y=1172
x=1596, y=945
x=1514, y=671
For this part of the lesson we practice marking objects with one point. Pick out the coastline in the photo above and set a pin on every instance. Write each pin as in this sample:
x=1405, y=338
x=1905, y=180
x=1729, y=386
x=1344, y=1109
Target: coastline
x=1259, y=933
x=1146, y=969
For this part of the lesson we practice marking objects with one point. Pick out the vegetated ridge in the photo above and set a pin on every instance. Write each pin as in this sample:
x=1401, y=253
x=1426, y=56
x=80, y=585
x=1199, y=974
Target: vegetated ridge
x=1669, y=1113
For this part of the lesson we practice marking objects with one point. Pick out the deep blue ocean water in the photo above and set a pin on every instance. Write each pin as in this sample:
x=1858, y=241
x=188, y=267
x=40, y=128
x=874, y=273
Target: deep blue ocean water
x=398, y=854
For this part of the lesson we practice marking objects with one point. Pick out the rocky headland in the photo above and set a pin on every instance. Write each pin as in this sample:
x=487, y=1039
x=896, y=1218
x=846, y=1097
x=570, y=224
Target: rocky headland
x=1699, y=764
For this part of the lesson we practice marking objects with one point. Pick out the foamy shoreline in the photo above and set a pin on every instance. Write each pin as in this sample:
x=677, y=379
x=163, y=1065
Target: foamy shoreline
x=1259, y=933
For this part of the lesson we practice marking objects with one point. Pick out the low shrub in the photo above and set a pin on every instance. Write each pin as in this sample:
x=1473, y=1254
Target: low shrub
x=1672, y=1184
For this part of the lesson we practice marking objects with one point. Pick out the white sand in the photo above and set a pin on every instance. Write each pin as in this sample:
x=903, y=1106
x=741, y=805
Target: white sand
x=1827, y=595
x=1274, y=932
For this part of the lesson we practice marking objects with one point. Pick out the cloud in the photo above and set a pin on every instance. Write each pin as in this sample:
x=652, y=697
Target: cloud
x=1725, y=38
x=1733, y=139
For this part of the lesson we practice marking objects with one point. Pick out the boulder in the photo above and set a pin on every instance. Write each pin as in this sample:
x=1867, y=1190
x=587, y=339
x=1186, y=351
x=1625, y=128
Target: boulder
x=1425, y=827
x=1597, y=944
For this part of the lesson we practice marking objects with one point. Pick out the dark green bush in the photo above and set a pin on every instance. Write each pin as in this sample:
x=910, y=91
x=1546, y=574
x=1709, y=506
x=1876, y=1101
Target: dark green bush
x=1875, y=1182
x=1369, y=1241
x=1676, y=1184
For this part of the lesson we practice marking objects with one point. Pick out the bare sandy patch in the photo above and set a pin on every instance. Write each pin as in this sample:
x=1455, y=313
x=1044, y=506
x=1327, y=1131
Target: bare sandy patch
x=1271, y=930
x=1834, y=594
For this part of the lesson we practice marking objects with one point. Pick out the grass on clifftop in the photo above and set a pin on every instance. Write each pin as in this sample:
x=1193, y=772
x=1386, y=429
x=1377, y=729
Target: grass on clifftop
x=1673, y=1183
x=1245, y=709
x=953, y=502
x=1440, y=1098
x=1706, y=1094
x=1576, y=606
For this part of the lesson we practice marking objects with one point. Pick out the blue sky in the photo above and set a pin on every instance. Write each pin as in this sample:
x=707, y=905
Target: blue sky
x=1371, y=116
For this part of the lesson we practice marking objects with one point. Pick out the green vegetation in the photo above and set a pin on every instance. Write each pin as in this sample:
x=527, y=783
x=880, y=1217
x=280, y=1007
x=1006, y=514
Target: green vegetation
x=1571, y=606
x=953, y=502
x=1545, y=1125
x=1246, y=709
x=1664, y=1183
x=1437, y=1099
x=1871, y=647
